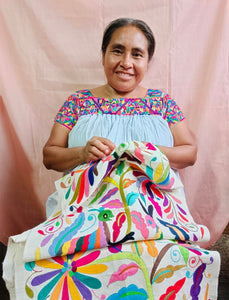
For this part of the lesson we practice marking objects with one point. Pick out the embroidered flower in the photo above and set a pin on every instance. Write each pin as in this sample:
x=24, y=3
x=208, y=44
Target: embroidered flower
x=67, y=275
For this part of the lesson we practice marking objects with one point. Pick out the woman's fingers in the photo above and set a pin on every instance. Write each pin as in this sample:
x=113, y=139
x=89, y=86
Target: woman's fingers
x=107, y=146
x=98, y=147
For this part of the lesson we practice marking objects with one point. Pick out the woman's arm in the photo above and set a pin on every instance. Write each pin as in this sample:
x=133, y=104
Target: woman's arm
x=184, y=152
x=57, y=155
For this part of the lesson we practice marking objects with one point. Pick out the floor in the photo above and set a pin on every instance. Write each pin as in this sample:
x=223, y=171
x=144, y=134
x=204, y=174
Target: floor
x=222, y=246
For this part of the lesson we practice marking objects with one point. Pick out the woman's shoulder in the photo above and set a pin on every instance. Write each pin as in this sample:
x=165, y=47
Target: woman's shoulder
x=156, y=93
x=166, y=105
x=161, y=96
x=85, y=93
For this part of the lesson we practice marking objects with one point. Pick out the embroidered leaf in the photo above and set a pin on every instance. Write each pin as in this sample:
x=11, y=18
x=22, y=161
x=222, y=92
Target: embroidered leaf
x=127, y=182
x=166, y=201
x=95, y=170
x=178, y=232
x=46, y=240
x=29, y=266
x=182, y=210
x=41, y=232
x=151, y=146
x=99, y=194
x=165, y=176
x=166, y=272
x=140, y=177
x=73, y=185
x=143, y=206
x=91, y=175
x=185, y=253
x=116, y=203
x=171, y=291
x=137, y=247
x=152, y=250
x=123, y=272
x=79, y=191
x=120, y=168
x=171, y=215
x=120, y=219
x=140, y=223
x=62, y=185
x=158, y=172
x=139, y=155
x=149, y=189
x=29, y=292
x=202, y=232
x=197, y=278
x=150, y=210
x=157, y=192
x=143, y=198
x=167, y=210
x=143, y=186
x=149, y=172
x=182, y=218
x=136, y=144
x=111, y=180
x=109, y=194
x=162, y=175
x=131, y=198
x=68, y=193
x=156, y=206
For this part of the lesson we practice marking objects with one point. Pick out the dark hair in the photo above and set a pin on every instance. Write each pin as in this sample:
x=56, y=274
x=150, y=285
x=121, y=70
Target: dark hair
x=121, y=22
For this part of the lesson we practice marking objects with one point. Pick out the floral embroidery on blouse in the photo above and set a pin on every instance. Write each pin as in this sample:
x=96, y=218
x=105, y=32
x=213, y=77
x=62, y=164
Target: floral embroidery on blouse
x=84, y=103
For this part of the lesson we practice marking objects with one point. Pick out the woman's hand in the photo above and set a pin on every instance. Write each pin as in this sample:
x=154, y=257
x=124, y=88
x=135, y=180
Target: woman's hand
x=57, y=156
x=96, y=148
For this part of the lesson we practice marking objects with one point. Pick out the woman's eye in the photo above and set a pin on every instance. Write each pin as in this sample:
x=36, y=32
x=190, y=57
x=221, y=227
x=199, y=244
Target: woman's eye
x=137, y=54
x=117, y=51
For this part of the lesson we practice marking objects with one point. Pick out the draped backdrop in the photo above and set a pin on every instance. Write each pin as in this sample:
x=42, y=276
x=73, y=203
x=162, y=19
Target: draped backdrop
x=49, y=49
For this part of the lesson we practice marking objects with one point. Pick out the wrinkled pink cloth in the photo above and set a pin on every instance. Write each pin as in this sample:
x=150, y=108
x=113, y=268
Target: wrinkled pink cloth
x=50, y=49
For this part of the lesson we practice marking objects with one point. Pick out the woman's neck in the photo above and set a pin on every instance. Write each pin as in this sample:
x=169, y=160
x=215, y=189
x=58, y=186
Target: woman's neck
x=106, y=91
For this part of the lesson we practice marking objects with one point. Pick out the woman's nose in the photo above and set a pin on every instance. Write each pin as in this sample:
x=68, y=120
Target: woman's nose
x=126, y=61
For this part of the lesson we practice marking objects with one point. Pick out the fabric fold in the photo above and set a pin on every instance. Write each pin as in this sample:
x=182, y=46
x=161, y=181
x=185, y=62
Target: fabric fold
x=131, y=195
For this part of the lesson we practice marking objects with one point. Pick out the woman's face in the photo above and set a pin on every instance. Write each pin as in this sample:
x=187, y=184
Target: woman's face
x=126, y=59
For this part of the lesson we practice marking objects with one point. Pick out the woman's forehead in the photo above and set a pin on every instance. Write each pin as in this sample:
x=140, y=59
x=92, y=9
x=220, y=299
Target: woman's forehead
x=129, y=35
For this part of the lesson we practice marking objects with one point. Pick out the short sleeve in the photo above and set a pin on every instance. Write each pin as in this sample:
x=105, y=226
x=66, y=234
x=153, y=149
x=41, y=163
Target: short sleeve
x=172, y=112
x=68, y=113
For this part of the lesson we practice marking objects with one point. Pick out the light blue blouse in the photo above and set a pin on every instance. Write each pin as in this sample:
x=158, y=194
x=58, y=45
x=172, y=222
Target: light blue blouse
x=121, y=128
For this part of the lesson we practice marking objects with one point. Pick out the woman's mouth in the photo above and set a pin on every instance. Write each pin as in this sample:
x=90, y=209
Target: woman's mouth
x=124, y=76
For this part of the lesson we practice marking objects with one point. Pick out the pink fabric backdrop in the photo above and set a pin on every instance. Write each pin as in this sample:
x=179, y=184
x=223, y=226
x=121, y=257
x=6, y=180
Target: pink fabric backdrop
x=50, y=48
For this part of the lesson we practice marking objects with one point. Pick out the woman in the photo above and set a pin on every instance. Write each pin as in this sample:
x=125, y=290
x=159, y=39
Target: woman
x=121, y=221
x=127, y=48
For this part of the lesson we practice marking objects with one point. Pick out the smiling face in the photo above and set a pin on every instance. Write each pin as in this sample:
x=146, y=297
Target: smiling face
x=126, y=60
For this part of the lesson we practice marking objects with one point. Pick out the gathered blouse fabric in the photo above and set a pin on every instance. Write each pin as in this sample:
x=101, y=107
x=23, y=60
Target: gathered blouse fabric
x=120, y=119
